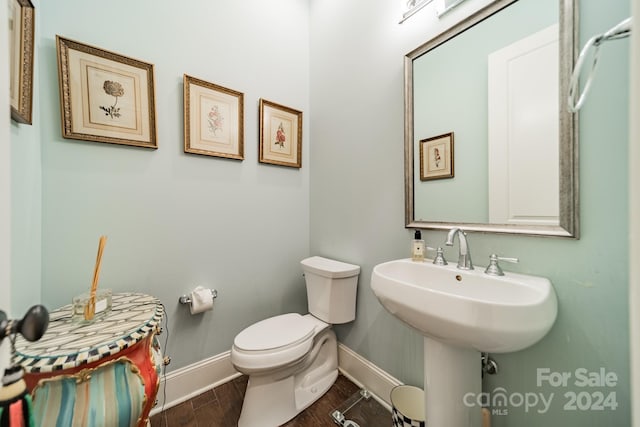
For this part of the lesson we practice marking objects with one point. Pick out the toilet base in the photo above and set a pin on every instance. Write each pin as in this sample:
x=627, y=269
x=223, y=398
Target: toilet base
x=273, y=399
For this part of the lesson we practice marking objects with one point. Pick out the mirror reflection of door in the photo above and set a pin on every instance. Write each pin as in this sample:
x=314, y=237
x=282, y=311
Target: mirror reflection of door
x=523, y=131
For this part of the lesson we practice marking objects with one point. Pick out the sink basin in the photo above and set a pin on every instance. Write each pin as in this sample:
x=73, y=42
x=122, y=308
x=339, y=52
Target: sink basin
x=462, y=313
x=467, y=308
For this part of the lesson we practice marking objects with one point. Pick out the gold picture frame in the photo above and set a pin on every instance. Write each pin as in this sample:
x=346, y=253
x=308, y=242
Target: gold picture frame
x=213, y=119
x=21, y=39
x=436, y=157
x=104, y=96
x=280, y=135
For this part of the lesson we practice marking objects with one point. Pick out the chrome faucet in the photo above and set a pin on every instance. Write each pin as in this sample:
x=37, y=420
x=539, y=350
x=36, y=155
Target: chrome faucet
x=464, y=257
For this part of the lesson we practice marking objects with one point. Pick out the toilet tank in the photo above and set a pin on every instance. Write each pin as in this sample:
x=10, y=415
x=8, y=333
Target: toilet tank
x=331, y=289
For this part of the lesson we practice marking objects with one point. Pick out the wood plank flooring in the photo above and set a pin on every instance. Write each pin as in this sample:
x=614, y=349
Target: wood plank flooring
x=221, y=407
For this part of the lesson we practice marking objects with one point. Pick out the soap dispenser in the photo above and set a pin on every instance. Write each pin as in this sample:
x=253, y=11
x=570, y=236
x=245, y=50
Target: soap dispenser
x=417, y=247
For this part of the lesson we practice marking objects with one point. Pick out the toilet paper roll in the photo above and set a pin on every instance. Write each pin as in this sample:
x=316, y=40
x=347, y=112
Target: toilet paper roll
x=201, y=300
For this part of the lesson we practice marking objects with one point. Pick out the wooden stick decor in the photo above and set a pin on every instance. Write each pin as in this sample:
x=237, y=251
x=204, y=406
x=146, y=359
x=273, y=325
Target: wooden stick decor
x=90, y=308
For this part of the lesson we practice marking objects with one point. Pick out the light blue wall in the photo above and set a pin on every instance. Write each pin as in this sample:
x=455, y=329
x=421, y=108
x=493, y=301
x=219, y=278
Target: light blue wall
x=26, y=195
x=173, y=220
x=357, y=206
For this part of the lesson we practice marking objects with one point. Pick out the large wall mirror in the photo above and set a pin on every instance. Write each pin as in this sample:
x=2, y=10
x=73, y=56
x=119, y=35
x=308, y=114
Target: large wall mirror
x=489, y=143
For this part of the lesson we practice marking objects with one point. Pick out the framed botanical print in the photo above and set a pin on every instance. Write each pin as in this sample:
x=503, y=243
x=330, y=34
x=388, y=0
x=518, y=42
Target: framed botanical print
x=436, y=157
x=213, y=119
x=104, y=96
x=21, y=36
x=280, y=135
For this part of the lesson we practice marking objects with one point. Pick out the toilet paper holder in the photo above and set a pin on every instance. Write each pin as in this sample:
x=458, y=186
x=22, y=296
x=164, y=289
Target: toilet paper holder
x=186, y=299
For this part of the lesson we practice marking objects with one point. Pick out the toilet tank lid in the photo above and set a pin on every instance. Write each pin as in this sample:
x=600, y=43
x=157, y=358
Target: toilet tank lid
x=329, y=268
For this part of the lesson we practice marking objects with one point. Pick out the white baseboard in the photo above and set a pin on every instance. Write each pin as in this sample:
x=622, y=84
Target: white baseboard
x=366, y=375
x=188, y=382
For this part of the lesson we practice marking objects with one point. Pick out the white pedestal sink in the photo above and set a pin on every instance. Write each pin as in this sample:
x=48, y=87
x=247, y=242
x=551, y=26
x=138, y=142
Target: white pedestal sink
x=461, y=313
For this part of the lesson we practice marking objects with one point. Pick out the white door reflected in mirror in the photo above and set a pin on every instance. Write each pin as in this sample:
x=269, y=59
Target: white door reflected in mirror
x=523, y=129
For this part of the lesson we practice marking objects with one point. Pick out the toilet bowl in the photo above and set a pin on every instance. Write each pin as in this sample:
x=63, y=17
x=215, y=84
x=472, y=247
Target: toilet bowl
x=292, y=359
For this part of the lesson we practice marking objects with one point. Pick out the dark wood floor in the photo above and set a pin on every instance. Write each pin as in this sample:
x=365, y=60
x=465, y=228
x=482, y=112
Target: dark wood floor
x=221, y=407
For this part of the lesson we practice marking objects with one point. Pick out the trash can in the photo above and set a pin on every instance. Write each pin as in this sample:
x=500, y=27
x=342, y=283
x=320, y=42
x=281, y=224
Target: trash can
x=407, y=404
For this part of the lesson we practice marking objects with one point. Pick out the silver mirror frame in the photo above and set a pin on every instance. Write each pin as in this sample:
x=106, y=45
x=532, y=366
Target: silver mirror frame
x=569, y=190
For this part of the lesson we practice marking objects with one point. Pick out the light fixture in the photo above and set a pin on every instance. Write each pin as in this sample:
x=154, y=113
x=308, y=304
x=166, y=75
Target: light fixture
x=413, y=6
x=444, y=6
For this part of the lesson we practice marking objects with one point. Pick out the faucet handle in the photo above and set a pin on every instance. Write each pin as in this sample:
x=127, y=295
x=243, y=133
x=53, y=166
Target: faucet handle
x=439, y=259
x=494, y=269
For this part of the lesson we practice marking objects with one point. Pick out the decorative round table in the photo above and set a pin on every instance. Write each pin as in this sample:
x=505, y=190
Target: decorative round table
x=105, y=373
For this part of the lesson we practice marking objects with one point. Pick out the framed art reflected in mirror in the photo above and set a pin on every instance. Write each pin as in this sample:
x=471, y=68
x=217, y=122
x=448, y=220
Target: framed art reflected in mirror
x=436, y=157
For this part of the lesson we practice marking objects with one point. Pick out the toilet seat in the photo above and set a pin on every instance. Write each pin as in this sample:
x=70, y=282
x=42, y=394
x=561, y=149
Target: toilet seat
x=274, y=342
x=274, y=333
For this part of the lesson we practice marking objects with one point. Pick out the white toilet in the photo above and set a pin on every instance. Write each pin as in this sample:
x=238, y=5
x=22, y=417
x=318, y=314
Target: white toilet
x=292, y=359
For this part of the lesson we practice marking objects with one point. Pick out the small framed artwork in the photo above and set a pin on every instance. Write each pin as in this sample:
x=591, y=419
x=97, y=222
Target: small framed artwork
x=213, y=119
x=280, y=135
x=21, y=36
x=436, y=157
x=104, y=96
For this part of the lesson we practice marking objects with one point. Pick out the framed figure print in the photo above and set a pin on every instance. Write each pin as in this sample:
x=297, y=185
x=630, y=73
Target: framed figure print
x=436, y=157
x=104, y=96
x=280, y=135
x=21, y=37
x=213, y=119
